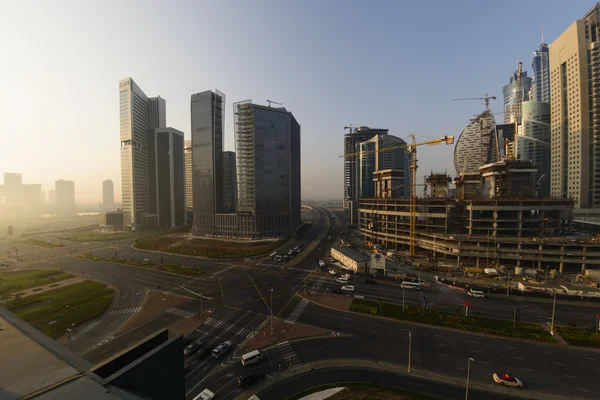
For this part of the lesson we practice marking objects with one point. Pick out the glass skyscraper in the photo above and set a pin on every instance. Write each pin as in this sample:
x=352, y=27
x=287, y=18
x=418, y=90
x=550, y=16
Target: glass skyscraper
x=510, y=96
x=541, y=74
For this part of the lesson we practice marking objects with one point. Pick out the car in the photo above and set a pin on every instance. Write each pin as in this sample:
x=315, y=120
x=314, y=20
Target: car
x=348, y=288
x=188, y=340
x=187, y=367
x=249, y=378
x=192, y=348
x=332, y=272
x=322, y=264
x=341, y=280
x=205, y=395
x=507, y=380
x=203, y=352
x=329, y=237
x=221, y=349
x=370, y=280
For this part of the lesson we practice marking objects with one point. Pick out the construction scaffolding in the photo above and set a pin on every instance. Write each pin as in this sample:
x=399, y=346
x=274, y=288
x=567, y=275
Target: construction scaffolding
x=244, y=141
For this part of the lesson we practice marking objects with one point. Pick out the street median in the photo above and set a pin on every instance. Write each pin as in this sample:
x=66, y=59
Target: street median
x=453, y=320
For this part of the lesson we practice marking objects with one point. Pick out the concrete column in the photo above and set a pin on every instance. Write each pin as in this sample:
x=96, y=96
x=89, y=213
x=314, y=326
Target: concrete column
x=458, y=257
x=519, y=232
x=477, y=262
x=519, y=253
x=583, y=263
x=562, y=256
x=541, y=252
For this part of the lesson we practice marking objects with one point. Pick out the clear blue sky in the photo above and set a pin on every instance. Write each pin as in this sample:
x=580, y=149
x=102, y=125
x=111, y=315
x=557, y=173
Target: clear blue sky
x=388, y=64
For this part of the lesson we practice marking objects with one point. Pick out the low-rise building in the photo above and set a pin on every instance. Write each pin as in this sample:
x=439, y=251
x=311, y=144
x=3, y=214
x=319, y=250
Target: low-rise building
x=350, y=258
x=115, y=220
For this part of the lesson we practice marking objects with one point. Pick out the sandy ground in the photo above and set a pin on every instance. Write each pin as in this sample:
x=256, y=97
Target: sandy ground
x=368, y=394
x=283, y=331
x=336, y=301
x=156, y=303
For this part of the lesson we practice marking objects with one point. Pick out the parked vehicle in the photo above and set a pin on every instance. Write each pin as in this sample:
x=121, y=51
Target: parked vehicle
x=205, y=395
x=342, y=280
x=348, y=289
x=192, y=348
x=507, y=380
x=321, y=263
x=475, y=293
x=411, y=285
x=273, y=254
x=332, y=272
x=221, y=349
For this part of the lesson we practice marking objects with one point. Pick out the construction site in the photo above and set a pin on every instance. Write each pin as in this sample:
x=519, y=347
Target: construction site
x=498, y=214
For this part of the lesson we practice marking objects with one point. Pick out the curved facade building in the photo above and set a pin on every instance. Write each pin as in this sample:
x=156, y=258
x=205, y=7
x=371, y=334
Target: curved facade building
x=473, y=144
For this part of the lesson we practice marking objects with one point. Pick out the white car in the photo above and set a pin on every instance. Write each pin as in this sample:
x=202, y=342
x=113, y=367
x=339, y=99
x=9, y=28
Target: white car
x=205, y=395
x=507, y=380
x=332, y=272
x=348, y=288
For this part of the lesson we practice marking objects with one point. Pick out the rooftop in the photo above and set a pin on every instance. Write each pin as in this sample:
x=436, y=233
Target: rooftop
x=352, y=254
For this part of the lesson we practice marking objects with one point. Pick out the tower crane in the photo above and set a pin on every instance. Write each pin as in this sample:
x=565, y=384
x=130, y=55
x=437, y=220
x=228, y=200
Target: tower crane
x=412, y=150
x=273, y=102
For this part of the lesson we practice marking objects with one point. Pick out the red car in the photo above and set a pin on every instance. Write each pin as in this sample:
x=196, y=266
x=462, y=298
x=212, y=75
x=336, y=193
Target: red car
x=507, y=380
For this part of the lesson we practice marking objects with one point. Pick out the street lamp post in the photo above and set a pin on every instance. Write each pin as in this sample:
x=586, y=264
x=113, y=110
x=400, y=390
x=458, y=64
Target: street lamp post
x=409, y=349
x=507, y=284
x=402, y=298
x=468, y=376
x=553, y=309
x=271, y=290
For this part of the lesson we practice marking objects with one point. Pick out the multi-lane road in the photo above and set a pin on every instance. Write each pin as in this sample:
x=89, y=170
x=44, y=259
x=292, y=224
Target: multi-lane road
x=241, y=295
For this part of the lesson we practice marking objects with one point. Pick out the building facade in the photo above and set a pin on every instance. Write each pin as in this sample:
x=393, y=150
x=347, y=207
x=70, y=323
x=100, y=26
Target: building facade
x=510, y=96
x=352, y=139
x=207, y=116
x=350, y=259
x=472, y=148
x=17, y=197
x=268, y=170
x=138, y=114
x=189, y=193
x=166, y=177
x=229, y=182
x=541, y=73
x=371, y=159
x=108, y=196
x=575, y=112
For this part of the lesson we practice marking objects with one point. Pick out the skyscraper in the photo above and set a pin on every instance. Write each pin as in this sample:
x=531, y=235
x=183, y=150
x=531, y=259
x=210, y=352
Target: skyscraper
x=108, y=195
x=52, y=196
x=138, y=114
x=17, y=197
x=351, y=184
x=166, y=176
x=187, y=157
x=268, y=170
x=207, y=115
x=371, y=160
x=575, y=119
x=65, y=195
x=510, y=96
x=229, y=182
x=541, y=73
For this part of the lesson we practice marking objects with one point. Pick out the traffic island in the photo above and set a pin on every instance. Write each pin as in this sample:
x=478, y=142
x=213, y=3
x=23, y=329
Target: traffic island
x=457, y=320
x=339, y=302
x=155, y=303
x=586, y=337
x=283, y=331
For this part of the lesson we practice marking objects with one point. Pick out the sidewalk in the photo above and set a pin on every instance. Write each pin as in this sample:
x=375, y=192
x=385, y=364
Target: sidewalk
x=48, y=287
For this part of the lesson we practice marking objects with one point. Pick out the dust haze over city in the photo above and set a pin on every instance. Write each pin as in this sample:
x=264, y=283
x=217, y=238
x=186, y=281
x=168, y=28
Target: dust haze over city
x=277, y=199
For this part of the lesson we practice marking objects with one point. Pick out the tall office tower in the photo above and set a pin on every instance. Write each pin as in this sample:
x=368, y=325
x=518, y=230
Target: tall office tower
x=108, y=196
x=533, y=142
x=52, y=197
x=351, y=141
x=229, y=182
x=541, y=73
x=65, y=195
x=17, y=197
x=372, y=160
x=43, y=199
x=268, y=170
x=166, y=177
x=510, y=96
x=13, y=189
x=187, y=158
x=138, y=114
x=472, y=148
x=207, y=114
x=575, y=112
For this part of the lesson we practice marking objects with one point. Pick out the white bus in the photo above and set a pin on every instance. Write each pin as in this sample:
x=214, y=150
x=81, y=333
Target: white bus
x=411, y=285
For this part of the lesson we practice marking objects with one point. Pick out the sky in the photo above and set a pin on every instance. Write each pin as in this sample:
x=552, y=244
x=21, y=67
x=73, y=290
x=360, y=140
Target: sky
x=383, y=64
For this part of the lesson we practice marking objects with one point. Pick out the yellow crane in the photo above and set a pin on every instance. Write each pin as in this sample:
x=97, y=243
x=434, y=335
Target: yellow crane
x=412, y=150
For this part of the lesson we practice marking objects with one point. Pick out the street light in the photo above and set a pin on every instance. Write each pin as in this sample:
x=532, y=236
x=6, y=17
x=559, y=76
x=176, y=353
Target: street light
x=553, y=309
x=402, y=298
x=271, y=290
x=468, y=376
x=409, y=348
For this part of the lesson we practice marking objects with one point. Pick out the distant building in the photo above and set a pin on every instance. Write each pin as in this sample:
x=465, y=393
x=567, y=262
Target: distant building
x=108, y=196
x=388, y=183
x=352, y=139
x=207, y=115
x=511, y=96
x=575, y=112
x=116, y=220
x=65, y=196
x=541, y=73
x=166, y=177
x=268, y=174
x=16, y=197
x=187, y=158
x=138, y=114
x=52, y=197
x=229, y=182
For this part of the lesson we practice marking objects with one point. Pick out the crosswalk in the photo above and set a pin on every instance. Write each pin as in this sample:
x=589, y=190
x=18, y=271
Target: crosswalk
x=289, y=355
x=180, y=313
x=318, y=283
x=237, y=330
x=300, y=269
x=297, y=311
x=123, y=311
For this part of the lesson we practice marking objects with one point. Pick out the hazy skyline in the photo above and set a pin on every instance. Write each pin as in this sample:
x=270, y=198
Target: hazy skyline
x=392, y=65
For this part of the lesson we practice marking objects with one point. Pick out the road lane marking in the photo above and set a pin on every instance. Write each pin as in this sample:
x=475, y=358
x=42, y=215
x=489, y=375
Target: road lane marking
x=510, y=347
x=559, y=364
x=582, y=390
x=444, y=355
x=474, y=342
x=518, y=358
x=590, y=358
x=485, y=362
x=570, y=376
x=438, y=336
x=477, y=351
x=526, y=369
x=442, y=345
x=222, y=293
x=259, y=292
x=550, y=354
